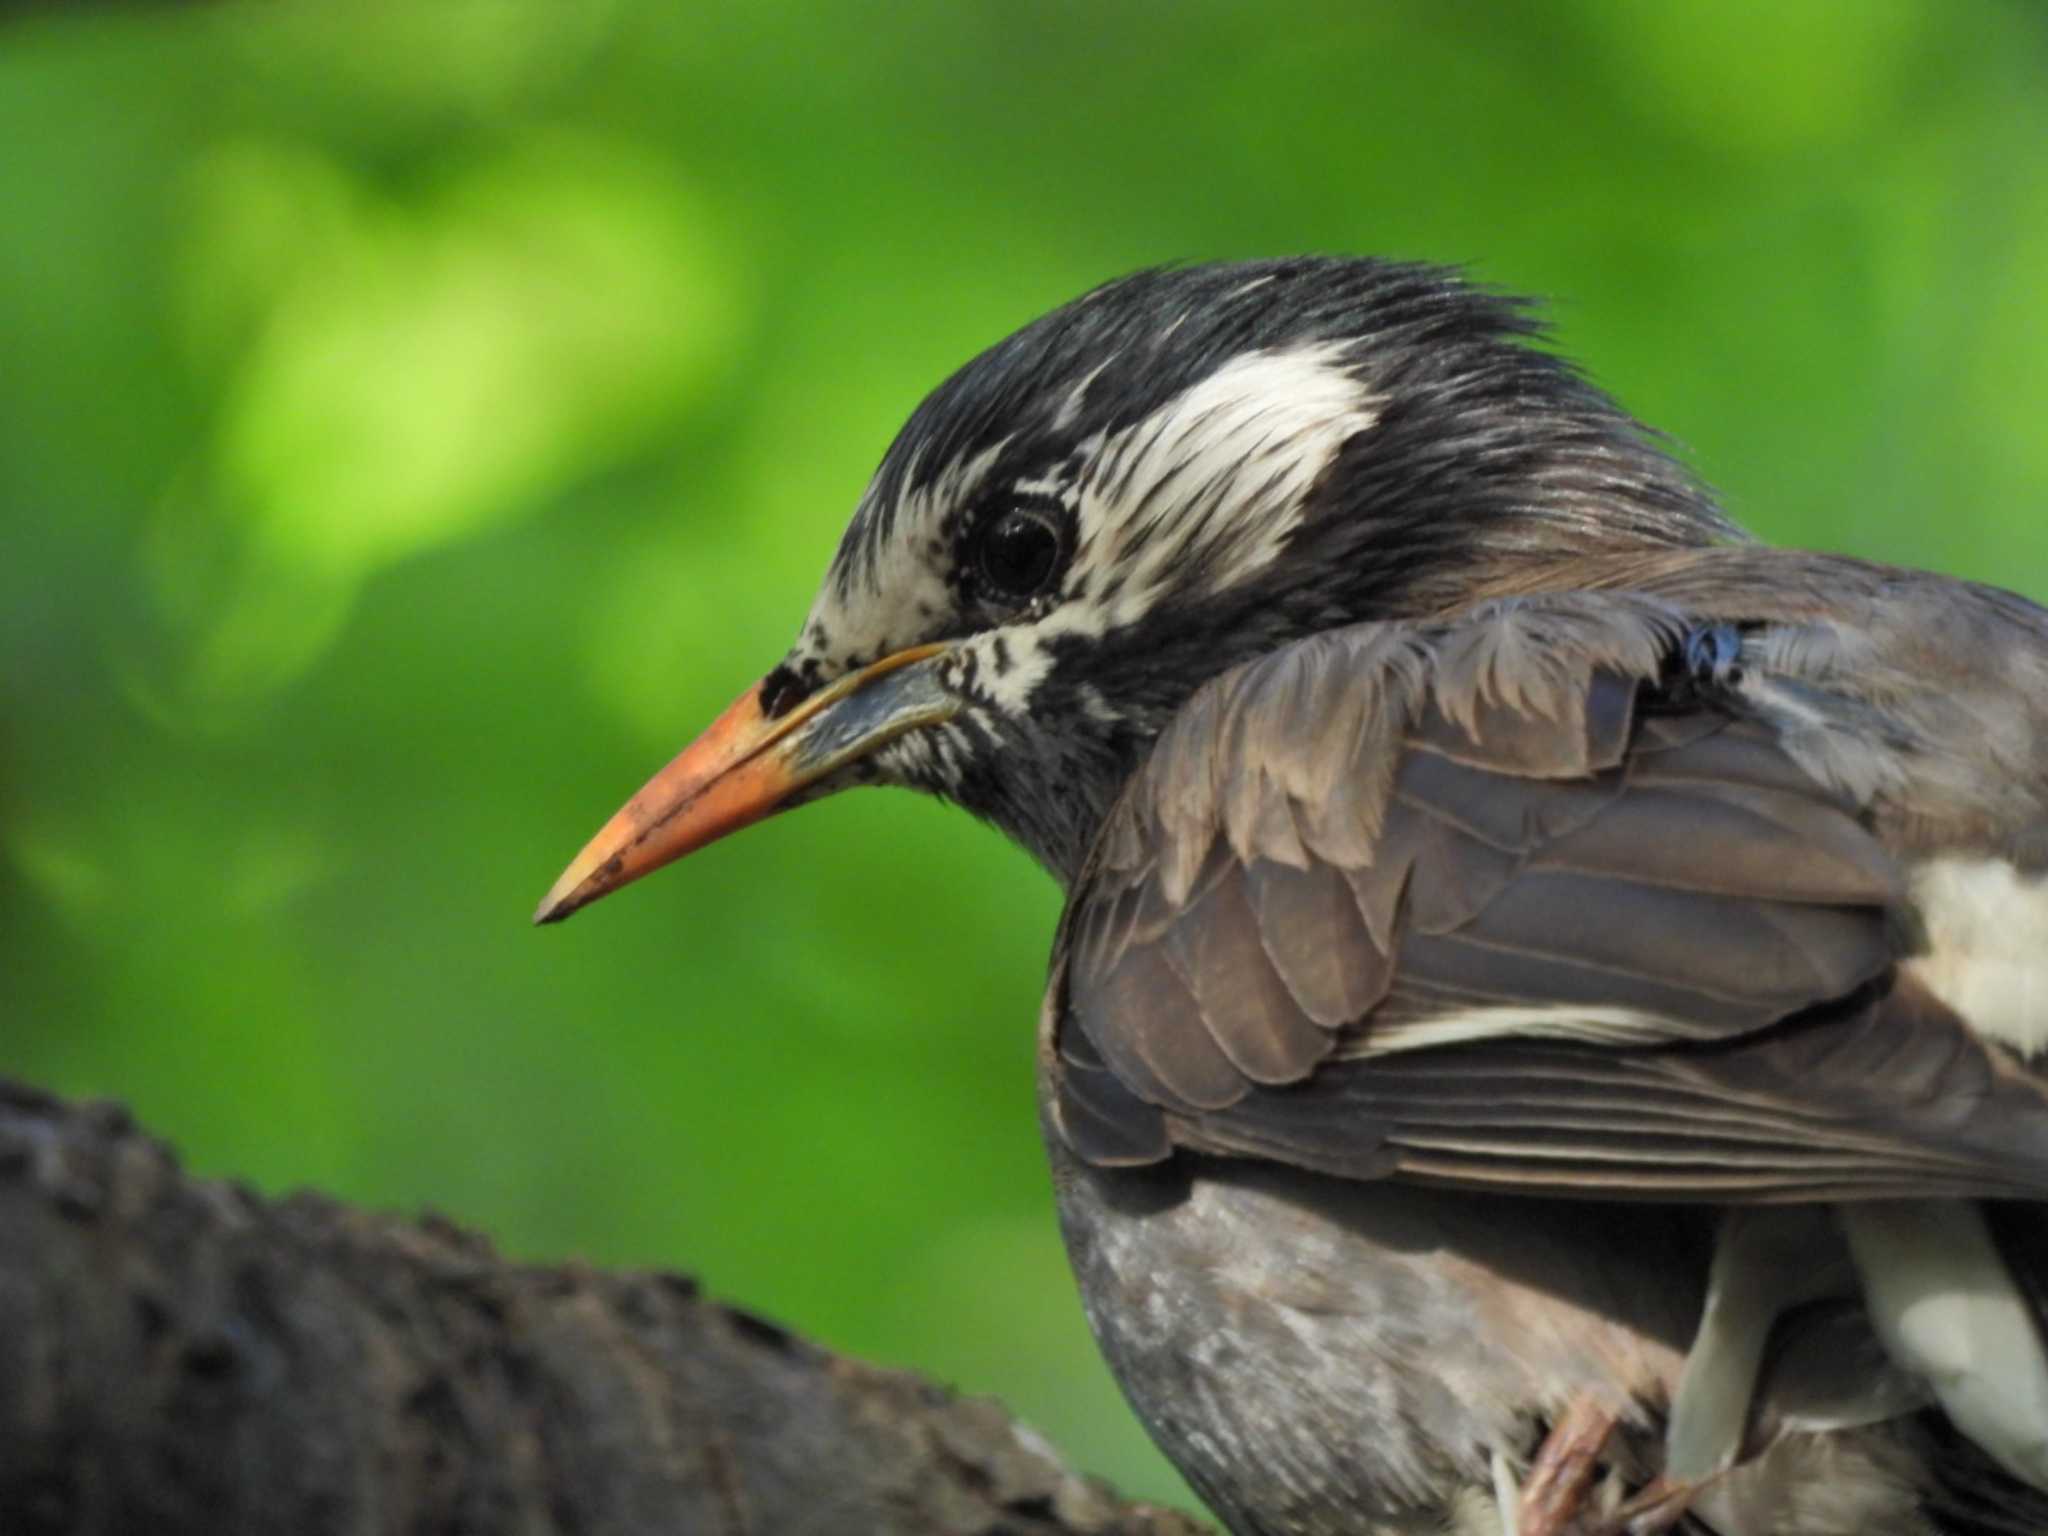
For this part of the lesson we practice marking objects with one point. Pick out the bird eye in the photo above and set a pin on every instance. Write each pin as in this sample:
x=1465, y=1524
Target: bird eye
x=1016, y=553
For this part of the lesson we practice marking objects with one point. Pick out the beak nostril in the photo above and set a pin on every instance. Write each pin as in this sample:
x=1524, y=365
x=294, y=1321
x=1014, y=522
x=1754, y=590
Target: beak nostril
x=747, y=765
x=781, y=691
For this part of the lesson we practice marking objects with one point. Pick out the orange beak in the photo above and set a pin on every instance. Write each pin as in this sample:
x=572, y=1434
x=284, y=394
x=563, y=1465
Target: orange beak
x=746, y=766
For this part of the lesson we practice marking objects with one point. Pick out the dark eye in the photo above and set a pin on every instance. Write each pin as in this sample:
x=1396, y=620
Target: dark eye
x=1016, y=552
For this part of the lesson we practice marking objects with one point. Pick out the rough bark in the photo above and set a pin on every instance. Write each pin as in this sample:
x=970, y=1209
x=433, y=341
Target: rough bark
x=180, y=1355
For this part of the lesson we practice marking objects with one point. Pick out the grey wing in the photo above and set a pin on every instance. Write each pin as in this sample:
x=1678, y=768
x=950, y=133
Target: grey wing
x=1523, y=900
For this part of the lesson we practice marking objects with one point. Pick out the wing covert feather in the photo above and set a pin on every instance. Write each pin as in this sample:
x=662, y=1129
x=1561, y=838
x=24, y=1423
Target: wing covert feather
x=1514, y=900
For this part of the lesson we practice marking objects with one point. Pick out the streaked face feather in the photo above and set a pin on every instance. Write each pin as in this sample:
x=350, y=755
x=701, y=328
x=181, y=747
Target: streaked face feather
x=1234, y=456
x=1197, y=496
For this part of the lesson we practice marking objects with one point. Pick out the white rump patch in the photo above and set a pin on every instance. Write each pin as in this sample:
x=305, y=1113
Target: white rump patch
x=1987, y=930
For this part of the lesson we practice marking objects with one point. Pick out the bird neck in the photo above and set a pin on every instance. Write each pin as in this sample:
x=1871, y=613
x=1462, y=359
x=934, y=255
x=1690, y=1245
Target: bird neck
x=1053, y=789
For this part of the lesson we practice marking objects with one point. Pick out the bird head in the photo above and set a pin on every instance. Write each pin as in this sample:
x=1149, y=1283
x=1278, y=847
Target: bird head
x=1174, y=473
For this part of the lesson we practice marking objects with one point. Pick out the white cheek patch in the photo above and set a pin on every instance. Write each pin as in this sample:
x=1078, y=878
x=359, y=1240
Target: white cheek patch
x=1205, y=491
x=1200, y=495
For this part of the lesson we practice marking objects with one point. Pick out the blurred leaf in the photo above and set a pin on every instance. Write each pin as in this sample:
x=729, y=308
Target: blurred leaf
x=414, y=374
x=1763, y=78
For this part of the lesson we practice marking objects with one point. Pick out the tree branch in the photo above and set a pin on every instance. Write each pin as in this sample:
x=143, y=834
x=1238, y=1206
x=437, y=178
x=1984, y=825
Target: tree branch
x=181, y=1356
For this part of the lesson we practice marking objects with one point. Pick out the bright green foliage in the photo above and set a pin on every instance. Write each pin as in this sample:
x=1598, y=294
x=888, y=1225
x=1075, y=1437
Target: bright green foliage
x=417, y=417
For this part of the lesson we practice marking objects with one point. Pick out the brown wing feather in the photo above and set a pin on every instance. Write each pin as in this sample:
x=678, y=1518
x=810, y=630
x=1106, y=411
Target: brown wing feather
x=1510, y=901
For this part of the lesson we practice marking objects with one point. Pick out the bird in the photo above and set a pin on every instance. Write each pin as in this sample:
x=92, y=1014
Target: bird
x=1546, y=1029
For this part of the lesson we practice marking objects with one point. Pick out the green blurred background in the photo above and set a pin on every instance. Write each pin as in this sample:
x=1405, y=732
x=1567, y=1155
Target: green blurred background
x=416, y=419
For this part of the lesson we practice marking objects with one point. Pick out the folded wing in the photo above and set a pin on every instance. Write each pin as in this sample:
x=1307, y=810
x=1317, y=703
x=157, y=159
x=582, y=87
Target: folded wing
x=1529, y=899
